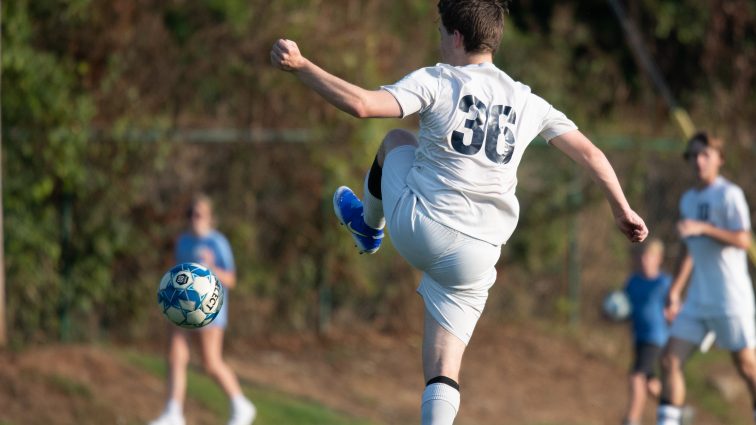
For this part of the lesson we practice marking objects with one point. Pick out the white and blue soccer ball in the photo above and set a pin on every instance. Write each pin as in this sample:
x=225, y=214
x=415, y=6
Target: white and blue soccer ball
x=190, y=295
x=616, y=305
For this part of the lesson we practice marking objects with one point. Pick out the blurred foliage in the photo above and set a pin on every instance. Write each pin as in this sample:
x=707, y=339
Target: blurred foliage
x=96, y=181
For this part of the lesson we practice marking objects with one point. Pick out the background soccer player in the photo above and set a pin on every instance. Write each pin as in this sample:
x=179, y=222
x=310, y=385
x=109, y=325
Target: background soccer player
x=715, y=227
x=202, y=244
x=647, y=290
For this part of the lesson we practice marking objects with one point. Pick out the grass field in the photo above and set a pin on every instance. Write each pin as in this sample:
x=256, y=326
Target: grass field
x=511, y=377
x=273, y=407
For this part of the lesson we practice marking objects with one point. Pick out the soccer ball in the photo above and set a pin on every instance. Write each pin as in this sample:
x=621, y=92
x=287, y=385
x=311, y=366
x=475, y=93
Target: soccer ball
x=616, y=306
x=190, y=295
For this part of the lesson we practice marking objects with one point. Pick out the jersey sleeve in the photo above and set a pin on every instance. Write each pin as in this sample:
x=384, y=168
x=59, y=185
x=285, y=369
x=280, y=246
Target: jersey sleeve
x=179, y=249
x=224, y=256
x=667, y=283
x=553, y=122
x=737, y=215
x=417, y=91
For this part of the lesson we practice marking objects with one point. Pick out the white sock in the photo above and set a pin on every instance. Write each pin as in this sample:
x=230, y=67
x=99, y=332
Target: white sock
x=668, y=415
x=440, y=404
x=372, y=208
x=174, y=408
x=239, y=402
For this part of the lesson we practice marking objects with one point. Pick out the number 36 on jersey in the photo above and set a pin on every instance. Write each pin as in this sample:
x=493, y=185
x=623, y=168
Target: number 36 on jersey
x=489, y=127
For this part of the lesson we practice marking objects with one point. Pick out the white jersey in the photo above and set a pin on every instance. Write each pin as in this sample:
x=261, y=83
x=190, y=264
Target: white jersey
x=720, y=284
x=475, y=123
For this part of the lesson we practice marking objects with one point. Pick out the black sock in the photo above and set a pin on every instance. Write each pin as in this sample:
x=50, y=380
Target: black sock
x=374, y=179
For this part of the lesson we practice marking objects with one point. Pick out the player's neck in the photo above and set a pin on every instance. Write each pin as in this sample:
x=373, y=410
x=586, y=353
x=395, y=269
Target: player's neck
x=202, y=231
x=463, y=59
x=650, y=275
x=704, y=182
x=478, y=58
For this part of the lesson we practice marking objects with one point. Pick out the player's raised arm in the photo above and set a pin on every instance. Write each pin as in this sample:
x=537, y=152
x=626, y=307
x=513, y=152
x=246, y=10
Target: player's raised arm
x=346, y=96
x=575, y=145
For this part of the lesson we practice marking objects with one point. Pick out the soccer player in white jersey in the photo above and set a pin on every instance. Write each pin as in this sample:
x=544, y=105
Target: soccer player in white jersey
x=447, y=197
x=716, y=230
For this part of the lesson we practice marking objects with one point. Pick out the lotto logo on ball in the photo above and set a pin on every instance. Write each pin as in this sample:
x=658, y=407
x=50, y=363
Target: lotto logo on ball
x=190, y=295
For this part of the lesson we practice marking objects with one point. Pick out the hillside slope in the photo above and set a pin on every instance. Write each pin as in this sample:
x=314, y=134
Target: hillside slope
x=512, y=375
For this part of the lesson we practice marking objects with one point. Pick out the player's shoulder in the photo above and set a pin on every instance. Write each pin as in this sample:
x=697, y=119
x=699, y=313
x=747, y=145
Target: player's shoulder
x=726, y=191
x=217, y=236
x=688, y=195
x=184, y=237
x=728, y=187
x=438, y=70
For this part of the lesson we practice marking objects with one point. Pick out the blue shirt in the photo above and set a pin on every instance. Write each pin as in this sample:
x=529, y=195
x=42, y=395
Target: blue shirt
x=188, y=249
x=189, y=246
x=647, y=297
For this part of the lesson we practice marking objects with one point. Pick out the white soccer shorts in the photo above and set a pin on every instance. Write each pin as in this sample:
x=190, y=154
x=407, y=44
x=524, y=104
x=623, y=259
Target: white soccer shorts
x=733, y=333
x=457, y=269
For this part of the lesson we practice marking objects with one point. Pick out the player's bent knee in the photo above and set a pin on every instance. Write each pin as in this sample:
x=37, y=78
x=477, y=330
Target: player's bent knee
x=398, y=137
x=212, y=367
x=395, y=138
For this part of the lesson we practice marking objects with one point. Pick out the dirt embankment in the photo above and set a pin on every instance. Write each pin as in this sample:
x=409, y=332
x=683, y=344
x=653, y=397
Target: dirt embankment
x=511, y=375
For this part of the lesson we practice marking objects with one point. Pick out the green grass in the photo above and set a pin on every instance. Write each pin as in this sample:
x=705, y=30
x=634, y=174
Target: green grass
x=702, y=393
x=273, y=407
x=69, y=387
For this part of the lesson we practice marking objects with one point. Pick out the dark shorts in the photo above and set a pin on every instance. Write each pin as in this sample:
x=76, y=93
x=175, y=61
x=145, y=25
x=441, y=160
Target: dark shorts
x=646, y=359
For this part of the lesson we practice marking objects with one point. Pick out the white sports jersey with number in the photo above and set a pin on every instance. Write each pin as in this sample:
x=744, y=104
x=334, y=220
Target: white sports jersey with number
x=720, y=284
x=475, y=123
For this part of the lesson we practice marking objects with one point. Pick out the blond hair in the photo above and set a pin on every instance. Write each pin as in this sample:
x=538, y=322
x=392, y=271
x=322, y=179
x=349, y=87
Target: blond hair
x=651, y=245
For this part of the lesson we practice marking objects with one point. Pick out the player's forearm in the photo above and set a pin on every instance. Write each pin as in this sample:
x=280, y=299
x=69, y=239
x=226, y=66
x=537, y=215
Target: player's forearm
x=740, y=239
x=682, y=273
x=575, y=145
x=227, y=278
x=338, y=92
x=603, y=174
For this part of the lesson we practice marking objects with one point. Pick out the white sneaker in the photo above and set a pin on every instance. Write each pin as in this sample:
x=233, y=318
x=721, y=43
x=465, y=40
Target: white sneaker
x=243, y=414
x=168, y=419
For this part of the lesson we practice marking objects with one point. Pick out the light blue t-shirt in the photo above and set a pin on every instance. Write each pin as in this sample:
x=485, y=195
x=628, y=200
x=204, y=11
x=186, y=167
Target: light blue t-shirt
x=188, y=249
x=647, y=297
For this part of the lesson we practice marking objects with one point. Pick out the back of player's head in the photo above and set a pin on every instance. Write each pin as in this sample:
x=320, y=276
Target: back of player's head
x=705, y=139
x=480, y=22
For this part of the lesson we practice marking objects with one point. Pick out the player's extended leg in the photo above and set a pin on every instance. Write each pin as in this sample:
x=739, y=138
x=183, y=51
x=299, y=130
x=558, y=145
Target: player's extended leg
x=638, y=383
x=745, y=361
x=642, y=380
x=365, y=218
x=442, y=359
x=674, y=357
x=178, y=360
x=211, y=341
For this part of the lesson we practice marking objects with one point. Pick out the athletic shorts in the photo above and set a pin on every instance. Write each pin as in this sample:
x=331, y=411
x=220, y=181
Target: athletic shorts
x=734, y=333
x=221, y=320
x=457, y=269
x=646, y=359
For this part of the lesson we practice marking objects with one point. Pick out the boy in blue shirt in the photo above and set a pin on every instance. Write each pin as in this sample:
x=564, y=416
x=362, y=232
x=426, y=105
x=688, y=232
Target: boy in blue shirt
x=647, y=290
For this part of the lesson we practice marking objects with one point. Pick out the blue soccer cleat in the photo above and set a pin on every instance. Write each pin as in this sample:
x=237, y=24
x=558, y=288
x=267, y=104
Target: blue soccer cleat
x=348, y=208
